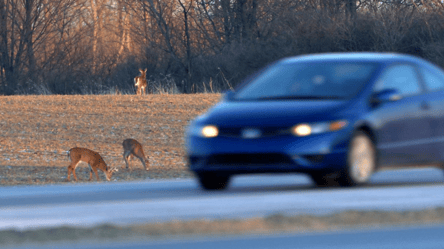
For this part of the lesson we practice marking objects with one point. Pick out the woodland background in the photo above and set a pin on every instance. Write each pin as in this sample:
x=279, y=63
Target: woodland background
x=97, y=46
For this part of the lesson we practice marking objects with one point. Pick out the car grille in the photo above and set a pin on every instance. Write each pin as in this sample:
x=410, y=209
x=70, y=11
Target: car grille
x=249, y=159
x=265, y=132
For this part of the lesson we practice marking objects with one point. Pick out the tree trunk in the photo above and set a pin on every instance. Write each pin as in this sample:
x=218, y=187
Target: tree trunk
x=3, y=47
x=350, y=9
x=187, y=45
x=28, y=32
x=95, y=27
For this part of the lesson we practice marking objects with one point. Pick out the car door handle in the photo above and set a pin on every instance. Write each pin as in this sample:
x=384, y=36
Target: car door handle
x=425, y=106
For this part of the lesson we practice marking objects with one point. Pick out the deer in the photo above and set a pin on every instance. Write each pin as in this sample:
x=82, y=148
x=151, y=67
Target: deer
x=92, y=158
x=140, y=82
x=133, y=148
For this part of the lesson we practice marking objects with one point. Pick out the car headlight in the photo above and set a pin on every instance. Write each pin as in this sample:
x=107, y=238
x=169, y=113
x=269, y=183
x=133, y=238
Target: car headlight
x=210, y=131
x=207, y=131
x=302, y=130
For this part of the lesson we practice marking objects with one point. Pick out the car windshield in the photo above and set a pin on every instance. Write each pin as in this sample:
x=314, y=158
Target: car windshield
x=312, y=81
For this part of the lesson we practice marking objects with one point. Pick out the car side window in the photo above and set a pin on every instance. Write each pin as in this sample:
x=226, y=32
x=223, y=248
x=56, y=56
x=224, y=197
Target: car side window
x=432, y=80
x=400, y=77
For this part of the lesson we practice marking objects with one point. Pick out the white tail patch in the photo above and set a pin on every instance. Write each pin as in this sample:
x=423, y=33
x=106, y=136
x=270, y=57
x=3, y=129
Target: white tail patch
x=140, y=82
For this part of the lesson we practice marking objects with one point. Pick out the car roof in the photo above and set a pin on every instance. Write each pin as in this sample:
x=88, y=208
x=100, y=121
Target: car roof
x=354, y=56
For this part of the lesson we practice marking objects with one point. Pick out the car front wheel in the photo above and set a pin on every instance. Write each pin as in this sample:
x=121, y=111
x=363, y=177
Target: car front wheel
x=322, y=179
x=213, y=181
x=361, y=161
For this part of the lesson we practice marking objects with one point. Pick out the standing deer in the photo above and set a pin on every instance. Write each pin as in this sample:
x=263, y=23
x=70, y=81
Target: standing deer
x=92, y=158
x=140, y=82
x=133, y=148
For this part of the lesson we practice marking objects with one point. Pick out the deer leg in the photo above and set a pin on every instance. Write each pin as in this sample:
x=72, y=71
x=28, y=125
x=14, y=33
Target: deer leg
x=130, y=157
x=97, y=175
x=125, y=157
x=69, y=173
x=143, y=162
x=90, y=172
x=147, y=162
x=74, y=171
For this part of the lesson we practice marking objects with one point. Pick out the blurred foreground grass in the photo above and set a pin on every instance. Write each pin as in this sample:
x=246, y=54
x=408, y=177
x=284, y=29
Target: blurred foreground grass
x=271, y=224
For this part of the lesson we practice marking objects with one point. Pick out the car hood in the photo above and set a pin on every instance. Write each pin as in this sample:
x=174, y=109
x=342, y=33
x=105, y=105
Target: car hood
x=272, y=113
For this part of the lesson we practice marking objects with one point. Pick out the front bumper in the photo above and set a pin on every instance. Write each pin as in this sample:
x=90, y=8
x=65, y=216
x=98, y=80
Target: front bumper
x=287, y=153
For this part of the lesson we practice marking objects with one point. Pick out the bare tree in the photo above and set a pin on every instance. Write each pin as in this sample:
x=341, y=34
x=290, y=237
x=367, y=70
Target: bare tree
x=4, y=60
x=186, y=11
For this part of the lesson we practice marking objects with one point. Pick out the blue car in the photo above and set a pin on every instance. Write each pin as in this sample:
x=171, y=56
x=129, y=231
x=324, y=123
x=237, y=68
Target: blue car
x=337, y=117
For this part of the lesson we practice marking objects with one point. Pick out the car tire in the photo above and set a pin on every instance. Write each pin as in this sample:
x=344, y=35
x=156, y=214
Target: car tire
x=322, y=179
x=361, y=161
x=213, y=181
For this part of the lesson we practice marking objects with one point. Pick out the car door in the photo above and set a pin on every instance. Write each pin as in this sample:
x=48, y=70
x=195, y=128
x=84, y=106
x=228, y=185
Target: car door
x=433, y=79
x=403, y=132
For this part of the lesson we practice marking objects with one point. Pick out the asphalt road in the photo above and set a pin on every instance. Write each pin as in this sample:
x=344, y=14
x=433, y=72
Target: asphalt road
x=252, y=196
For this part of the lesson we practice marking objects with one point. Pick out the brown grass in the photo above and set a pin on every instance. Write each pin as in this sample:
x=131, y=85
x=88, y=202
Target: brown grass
x=37, y=131
x=299, y=223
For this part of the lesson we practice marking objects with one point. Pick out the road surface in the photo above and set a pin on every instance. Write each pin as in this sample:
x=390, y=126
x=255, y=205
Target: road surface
x=92, y=204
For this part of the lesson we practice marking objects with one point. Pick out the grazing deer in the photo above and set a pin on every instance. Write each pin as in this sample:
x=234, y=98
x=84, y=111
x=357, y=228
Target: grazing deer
x=92, y=158
x=140, y=82
x=133, y=148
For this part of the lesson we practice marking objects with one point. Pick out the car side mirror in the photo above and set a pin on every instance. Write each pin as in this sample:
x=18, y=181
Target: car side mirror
x=384, y=96
x=228, y=95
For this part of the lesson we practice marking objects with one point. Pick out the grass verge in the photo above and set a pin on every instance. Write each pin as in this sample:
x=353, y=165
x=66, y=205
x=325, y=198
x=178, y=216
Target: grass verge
x=276, y=223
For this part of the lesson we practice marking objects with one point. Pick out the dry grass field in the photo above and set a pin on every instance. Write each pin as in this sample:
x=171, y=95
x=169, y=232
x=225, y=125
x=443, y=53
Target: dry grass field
x=37, y=131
